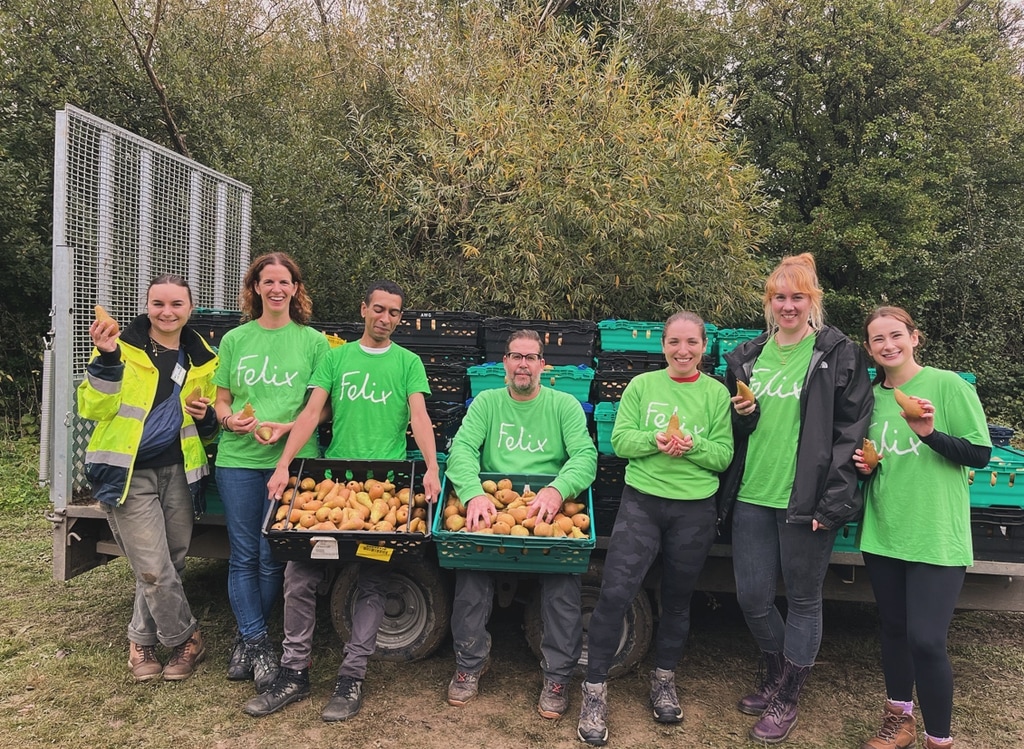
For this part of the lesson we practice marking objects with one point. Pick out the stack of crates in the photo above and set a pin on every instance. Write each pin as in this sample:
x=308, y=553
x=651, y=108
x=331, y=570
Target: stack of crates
x=448, y=343
x=567, y=343
x=997, y=505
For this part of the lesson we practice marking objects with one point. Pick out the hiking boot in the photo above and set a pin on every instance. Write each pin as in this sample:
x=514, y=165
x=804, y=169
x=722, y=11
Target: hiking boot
x=554, y=699
x=264, y=663
x=239, y=665
x=898, y=731
x=346, y=700
x=464, y=685
x=185, y=657
x=289, y=686
x=593, y=725
x=930, y=743
x=769, y=678
x=142, y=661
x=780, y=716
x=664, y=700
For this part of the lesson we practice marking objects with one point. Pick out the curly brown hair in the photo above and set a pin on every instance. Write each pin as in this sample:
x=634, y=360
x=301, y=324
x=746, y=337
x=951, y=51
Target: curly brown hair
x=301, y=307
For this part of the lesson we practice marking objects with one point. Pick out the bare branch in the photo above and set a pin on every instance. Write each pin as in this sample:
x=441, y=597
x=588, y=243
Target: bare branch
x=146, y=58
x=953, y=16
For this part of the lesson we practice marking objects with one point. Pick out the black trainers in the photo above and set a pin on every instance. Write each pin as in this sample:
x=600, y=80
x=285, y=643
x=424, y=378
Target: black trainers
x=289, y=686
x=346, y=700
x=264, y=663
x=239, y=665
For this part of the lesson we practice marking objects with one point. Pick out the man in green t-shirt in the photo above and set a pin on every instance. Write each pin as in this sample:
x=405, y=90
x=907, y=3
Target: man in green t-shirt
x=375, y=389
x=523, y=429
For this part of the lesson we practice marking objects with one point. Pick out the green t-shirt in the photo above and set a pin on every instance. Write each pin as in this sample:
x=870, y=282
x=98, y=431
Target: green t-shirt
x=703, y=408
x=545, y=435
x=917, y=504
x=777, y=381
x=369, y=394
x=269, y=369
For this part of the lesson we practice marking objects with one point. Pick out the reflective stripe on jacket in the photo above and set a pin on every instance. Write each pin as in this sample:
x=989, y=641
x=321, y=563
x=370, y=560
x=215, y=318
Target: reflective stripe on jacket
x=118, y=398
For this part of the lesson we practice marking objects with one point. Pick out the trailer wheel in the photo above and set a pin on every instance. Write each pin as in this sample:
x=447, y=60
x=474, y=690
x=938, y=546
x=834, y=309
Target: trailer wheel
x=637, y=626
x=416, y=614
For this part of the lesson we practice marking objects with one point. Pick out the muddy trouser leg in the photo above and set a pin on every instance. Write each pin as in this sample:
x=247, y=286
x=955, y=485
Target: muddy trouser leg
x=562, y=617
x=300, y=583
x=371, y=595
x=154, y=527
x=635, y=542
x=474, y=597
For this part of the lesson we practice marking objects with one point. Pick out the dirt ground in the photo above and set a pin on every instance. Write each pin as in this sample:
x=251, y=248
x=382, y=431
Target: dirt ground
x=405, y=704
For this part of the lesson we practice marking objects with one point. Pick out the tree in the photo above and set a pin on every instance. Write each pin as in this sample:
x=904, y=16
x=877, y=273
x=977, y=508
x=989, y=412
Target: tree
x=533, y=174
x=889, y=139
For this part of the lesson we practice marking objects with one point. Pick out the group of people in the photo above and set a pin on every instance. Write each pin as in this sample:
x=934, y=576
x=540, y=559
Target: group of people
x=778, y=451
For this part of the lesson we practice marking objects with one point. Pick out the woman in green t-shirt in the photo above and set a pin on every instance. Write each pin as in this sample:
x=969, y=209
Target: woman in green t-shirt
x=265, y=367
x=792, y=484
x=916, y=533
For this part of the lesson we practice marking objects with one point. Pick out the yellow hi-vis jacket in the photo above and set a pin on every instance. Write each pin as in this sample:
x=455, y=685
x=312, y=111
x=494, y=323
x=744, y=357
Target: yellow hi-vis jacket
x=119, y=399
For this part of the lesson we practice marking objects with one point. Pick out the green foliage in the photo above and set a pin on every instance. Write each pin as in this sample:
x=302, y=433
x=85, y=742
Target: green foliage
x=19, y=471
x=891, y=148
x=532, y=176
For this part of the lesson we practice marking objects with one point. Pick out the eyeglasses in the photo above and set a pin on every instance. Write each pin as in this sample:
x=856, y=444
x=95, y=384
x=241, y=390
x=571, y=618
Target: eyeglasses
x=515, y=357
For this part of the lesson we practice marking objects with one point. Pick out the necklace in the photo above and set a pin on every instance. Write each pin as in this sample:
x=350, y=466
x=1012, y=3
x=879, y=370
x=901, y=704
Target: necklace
x=159, y=348
x=785, y=350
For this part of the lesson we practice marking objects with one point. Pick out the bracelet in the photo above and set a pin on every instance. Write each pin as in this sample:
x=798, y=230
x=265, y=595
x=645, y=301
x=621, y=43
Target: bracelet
x=224, y=424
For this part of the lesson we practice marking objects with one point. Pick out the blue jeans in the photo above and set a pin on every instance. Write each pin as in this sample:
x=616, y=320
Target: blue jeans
x=154, y=528
x=765, y=546
x=254, y=578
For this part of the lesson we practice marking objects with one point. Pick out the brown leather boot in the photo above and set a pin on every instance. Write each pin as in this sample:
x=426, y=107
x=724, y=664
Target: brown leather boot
x=142, y=661
x=929, y=744
x=898, y=731
x=185, y=657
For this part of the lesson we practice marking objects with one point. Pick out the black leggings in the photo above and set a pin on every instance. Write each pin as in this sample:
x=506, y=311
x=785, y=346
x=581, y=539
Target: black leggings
x=683, y=531
x=915, y=604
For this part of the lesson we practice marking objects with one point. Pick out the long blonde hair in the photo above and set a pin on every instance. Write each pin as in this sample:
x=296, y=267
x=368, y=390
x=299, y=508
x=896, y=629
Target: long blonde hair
x=799, y=273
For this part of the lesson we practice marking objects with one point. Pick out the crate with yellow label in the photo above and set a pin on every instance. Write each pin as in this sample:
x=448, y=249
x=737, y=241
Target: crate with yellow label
x=350, y=510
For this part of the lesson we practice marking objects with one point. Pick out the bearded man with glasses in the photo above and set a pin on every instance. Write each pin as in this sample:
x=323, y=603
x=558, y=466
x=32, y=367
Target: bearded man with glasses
x=523, y=429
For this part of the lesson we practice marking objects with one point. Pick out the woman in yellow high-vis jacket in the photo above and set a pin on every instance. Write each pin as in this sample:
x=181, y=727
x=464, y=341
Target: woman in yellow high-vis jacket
x=149, y=388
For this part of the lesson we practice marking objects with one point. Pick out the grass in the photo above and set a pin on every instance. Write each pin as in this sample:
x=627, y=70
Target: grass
x=64, y=682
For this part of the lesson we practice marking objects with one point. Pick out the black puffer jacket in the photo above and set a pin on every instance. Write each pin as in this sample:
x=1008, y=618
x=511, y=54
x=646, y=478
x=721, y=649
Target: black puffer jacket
x=835, y=410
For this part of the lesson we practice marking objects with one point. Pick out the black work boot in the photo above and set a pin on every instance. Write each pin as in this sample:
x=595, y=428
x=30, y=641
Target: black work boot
x=289, y=686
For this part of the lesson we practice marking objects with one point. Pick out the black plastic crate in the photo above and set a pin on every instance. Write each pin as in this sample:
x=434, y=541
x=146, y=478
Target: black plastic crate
x=629, y=361
x=435, y=328
x=448, y=381
x=347, y=331
x=348, y=546
x=212, y=324
x=446, y=419
x=1000, y=436
x=448, y=355
x=611, y=476
x=606, y=508
x=997, y=533
x=566, y=342
x=609, y=386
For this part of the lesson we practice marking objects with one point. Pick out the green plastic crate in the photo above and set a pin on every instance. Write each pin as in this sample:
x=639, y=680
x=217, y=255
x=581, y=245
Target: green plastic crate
x=1001, y=482
x=846, y=539
x=575, y=381
x=629, y=335
x=480, y=551
x=730, y=338
x=604, y=420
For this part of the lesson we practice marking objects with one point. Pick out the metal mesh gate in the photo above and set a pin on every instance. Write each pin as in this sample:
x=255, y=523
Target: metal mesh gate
x=124, y=211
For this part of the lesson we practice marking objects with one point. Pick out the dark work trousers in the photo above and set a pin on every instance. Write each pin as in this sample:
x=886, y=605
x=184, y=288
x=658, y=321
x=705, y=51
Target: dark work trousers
x=915, y=605
x=683, y=531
